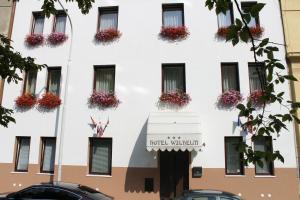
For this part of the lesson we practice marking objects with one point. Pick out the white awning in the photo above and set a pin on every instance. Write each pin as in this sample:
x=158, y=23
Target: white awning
x=173, y=131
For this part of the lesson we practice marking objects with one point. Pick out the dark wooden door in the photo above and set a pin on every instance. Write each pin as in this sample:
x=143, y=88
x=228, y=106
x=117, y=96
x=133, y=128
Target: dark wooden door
x=174, y=174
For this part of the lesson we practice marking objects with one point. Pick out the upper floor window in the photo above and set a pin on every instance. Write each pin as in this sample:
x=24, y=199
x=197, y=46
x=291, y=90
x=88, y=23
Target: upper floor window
x=60, y=22
x=264, y=144
x=246, y=6
x=104, y=79
x=230, y=76
x=257, y=76
x=30, y=82
x=53, y=83
x=225, y=20
x=173, y=15
x=173, y=78
x=234, y=158
x=108, y=18
x=22, y=153
x=48, y=154
x=37, y=23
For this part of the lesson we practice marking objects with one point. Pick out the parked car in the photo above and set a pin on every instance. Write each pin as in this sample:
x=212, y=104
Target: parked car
x=207, y=195
x=58, y=191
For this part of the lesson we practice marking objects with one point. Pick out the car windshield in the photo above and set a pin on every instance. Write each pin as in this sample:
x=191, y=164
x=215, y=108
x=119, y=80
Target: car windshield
x=91, y=193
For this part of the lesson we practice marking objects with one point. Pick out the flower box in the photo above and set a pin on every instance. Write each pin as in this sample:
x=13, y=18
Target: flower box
x=57, y=38
x=107, y=35
x=256, y=31
x=222, y=32
x=174, y=33
x=177, y=98
x=104, y=99
x=49, y=101
x=230, y=98
x=34, y=39
x=256, y=99
x=25, y=101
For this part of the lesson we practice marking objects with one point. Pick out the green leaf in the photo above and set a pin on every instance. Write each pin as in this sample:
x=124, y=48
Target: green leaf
x=264, y=42
x=256, y=8
x=290, y=77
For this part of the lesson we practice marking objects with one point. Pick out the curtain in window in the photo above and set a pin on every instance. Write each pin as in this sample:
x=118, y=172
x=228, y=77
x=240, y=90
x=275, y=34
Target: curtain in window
x=108, y=20
x=224, y=19
x=229, y=77
x=104, y=80
x=60, y=25
x=260, y=144
x=252, y=22
x=254, y=77
x=24, y=144
x=30, y=82
x=233, y=161
x=101, y=156
x=173, y=79
x=38, y=24
x=54, y=81
x=172, y=18
x=49, y=154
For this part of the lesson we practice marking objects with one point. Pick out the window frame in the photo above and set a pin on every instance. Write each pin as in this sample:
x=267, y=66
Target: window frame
x=17, y=152
x=242, y=166
x=247, y=5
x=231, y=14
x=25, y=82
x=172, y=7
x=254, y=65
x=34, y=16
x=60, y=12
x=107, y=10
x=43, y=140
x=48, y=78
x=104, y=67
x=174, y=65
x=91, y=140
x=236, y=65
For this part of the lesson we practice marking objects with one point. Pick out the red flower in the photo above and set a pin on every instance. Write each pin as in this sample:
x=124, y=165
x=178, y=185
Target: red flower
x=107, y=35
x=49, y=101
x=177, y=98
x=104, y=99
x=256, y=31
x=222, y=32
x=56, y=38
x=230, y=98
x=34, y=39
x=256, y=98
x=26, y=101
x=174, y=33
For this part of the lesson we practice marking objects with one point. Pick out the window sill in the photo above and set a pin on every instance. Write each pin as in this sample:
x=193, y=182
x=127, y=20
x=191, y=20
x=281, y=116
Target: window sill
x=265, y=176
x=14, y=172
x=49, y=174
x=99, y=175
x=235, y=176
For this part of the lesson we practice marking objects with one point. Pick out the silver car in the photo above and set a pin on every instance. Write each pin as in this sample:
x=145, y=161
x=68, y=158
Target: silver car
x=207, y=195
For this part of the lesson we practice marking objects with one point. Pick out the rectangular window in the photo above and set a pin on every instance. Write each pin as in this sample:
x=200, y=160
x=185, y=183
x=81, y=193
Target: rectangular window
x=22, y=154
x=264, y=144
x=100, y=156
x=104, y=77
x=38, y=23
x=30, y=82
x=48, y=154
x=173, y=15
x=246, y=6
x=108, y=18
x=225, y=20
x=60, y=22
x=234, y=158
x=230, y=76
x=53, y=84
x=173, y=77
x=257, y=76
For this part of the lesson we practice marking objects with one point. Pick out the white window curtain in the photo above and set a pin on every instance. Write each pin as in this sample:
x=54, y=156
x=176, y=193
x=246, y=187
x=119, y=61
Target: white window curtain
x=233, y=159
x=104, y=79
x=101, y=156
x=60, y=24
x=224, y=19
x=108, y=20
x=30, y=82
x=49, y=154
x=172, y=18
x=38, y=24
x=229, y=77
x=24, y=146
x=54, y=81
x=254, y=77
x=173, y=79
x=260, y=144
x=252, y=22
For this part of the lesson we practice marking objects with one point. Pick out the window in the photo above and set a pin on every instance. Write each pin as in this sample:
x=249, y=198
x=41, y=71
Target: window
x=173, y=15
x=38, y=23
x=22, y=154
x=60, y=22
x=104, y=79
x=173, y=77
x=30, y=82
x=254, y=71
x=225, y=20
x=264, y=144
x=100, y=156
x=246, y=6
x=108, y=18
x=230, y=76
x=53, y=84
x=48, y=154
x=234, y=163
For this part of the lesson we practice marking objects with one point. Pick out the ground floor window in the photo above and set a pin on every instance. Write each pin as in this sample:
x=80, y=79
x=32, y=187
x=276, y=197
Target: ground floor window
x=234, y=158
x=264, y=145
x=48, y=154
x=22, y=154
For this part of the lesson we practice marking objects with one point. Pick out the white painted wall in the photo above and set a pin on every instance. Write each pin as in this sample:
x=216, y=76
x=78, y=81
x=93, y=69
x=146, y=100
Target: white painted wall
x=138, y=56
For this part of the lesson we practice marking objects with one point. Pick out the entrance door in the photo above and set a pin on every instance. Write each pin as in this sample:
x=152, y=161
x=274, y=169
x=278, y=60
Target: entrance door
x=174, y=174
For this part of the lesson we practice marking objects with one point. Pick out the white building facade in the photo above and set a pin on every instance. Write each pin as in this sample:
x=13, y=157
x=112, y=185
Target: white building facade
x=128, y=161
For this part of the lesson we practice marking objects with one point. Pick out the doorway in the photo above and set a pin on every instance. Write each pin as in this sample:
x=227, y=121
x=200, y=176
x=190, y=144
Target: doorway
x=174, y=174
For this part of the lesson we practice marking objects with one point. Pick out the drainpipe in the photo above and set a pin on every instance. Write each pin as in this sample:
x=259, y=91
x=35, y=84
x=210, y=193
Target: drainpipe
x=64, y=105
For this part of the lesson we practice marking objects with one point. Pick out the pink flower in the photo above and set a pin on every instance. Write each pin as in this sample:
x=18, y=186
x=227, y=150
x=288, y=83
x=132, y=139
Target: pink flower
x=56, y=38
x=175, y=98
x=256, y=99
x=174, y=32
x=230, y=98
x=104, y=99
x=34, y=39
x=107, y=35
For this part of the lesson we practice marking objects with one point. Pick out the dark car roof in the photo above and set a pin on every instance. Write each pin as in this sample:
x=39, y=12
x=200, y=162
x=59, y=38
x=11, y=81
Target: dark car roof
x=211, y=192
